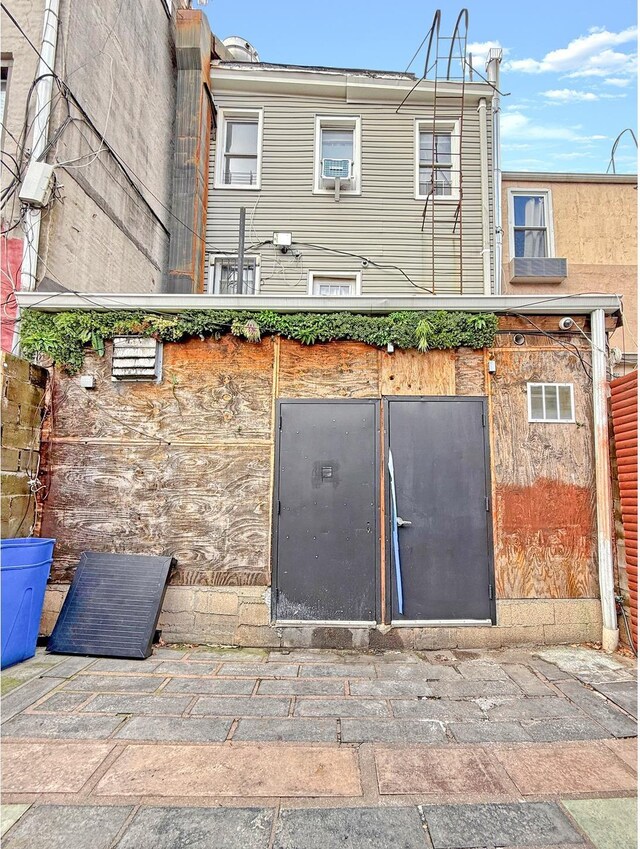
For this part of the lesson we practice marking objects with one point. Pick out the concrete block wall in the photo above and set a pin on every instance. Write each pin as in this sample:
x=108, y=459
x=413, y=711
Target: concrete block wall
x=22, y=388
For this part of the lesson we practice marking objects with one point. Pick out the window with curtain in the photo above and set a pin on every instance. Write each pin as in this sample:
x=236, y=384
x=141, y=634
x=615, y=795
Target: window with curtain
x=530, y=225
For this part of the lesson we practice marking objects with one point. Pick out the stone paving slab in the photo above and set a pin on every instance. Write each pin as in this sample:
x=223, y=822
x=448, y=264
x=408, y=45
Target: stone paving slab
x=114, y=664
x=609, y=823
x=287, y=730
x=176, y=729
x=478, y=670
x=67, y=827
x=340, y=707
x=260, y=670
x=302, y=687
x=623, y=693
x=535, y=707
x=438, y=771
x=198, y=828
x=389, y=688
x=240, y=706
x=518, y=824
x=565, y=769
x=50, y=767
x=445, y=710
x=241, y=771
x=9, y=815
x=626, y=749
x=17, y=700
x=464, y=689
x=527, y=680
x=489, y=732
x=598, y=708
x=68, y=666
x=417, y=672
x=185, y=667
x=61, y=702
x=340, y=670
x=557, y=730
x=114, y=683
x=148, y=705
x=66, y=727
x=212, y=686
x=391, y=731
x=355, y=828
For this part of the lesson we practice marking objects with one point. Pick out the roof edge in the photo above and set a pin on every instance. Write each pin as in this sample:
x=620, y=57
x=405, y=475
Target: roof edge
x=568, y=177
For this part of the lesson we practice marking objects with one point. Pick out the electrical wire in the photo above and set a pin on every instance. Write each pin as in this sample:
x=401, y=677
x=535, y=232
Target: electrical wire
x=562, y=342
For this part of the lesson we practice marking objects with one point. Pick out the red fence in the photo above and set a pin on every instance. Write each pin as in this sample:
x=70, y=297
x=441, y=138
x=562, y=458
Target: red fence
x=624, y=408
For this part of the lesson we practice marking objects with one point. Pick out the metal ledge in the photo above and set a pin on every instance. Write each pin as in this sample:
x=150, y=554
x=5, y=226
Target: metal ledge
x=375, y=305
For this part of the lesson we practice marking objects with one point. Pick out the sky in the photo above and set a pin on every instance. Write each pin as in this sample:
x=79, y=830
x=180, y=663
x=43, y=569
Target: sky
x=569, y=66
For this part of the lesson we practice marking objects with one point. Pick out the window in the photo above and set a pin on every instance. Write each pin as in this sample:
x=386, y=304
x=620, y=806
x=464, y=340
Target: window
x=5, y=71
x=551, y=402
x=437, y=159
x=223, y=276
x=239, y=149
x=332, y=285
x=337, y=154
x=530, y=234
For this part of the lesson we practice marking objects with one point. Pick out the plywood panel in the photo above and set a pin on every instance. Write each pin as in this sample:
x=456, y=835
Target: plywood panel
x=416, y=373
x=206, y=507
x=544, y=499
x=344, y=370
x=211, y=390
x=470, y=376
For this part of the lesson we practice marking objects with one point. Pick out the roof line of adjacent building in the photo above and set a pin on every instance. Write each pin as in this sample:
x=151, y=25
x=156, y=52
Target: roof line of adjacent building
x=566, y=177
x=541, y=304
x=328, y=69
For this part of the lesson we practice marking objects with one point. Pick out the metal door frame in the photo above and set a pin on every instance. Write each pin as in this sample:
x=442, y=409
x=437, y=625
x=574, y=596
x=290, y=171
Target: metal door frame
x=388, y=612
x=344, y=623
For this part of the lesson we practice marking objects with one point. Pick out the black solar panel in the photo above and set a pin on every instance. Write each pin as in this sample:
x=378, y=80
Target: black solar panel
x=113, y=605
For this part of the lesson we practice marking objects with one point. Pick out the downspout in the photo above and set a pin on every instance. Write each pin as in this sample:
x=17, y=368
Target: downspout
x=610, y=632
x=493, y=75
x=44, y=87
x=484, y=194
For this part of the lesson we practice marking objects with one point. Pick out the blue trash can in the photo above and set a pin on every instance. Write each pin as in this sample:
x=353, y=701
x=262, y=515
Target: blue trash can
x=24, y=570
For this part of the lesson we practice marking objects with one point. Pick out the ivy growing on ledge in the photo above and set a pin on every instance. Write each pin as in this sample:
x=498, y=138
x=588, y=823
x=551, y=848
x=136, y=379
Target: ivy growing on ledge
x=64, y=335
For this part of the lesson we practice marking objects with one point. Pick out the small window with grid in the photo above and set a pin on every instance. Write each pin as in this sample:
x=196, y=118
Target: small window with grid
x=551, y=402
x=224, y=278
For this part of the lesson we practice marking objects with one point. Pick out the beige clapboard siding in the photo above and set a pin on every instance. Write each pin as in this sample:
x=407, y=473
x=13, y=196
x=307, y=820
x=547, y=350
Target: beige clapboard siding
x=383, y=223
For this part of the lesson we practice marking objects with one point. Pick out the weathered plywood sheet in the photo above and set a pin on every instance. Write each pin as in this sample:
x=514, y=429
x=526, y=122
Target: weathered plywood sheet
x=344, y=370
x=544, y=498
x=470, y=372
x=211, y=390
x=208, y=507
x=416, y=373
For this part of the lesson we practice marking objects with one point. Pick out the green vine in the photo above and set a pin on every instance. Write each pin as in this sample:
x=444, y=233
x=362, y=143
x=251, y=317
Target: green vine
x=63, y=336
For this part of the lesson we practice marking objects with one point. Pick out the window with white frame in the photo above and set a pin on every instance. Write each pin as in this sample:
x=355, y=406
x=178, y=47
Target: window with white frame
x=551, y=402
x=326, y=285
x=531, y=232
x=239, y=149
x=224, y=279
x=5, y=71
x=337, y=154
x=437, y=159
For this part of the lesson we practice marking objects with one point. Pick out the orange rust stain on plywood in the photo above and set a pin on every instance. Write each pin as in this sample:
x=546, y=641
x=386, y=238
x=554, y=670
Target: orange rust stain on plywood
x=415, y=373
x=346, y=370
x=545, y=541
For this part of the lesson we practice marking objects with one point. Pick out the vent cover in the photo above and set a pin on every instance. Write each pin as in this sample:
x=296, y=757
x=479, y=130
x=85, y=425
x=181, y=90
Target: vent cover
x=112, y=607
x=136, y=358
x=543, y=269
x=336, y=169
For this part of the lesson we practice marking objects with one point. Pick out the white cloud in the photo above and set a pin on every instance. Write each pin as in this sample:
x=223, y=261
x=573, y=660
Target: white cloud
x=587, y=55
x=620, y=82
x=569, y=95
x=517, y=126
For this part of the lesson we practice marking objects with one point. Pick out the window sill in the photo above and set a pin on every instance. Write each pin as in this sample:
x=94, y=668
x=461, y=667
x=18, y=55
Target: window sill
x=343, y=192
x=233, y=188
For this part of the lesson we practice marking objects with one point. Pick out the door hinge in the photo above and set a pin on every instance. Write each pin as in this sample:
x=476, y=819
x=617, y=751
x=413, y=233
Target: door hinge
x=491, y=591
x=486, y=503
x=280, y=423
x=484, y=420
x=278, y=508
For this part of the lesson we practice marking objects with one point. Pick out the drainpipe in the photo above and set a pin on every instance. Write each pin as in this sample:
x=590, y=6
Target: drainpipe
x=43, y=91
x=610, y=632
x=493, y=75
x=484, y=194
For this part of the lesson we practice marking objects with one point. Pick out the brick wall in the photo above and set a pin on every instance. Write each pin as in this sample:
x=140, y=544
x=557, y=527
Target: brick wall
x=22, y=389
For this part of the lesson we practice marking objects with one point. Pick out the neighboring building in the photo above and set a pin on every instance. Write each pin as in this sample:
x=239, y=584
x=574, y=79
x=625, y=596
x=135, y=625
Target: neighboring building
x=573, y=233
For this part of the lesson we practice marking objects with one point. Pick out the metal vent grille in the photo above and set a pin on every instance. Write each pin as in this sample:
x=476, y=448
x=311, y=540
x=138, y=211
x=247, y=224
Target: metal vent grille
x=136, y=358
x=549, y=269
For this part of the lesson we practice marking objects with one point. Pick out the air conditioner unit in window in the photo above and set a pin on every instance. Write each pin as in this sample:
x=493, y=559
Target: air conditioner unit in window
x=337, y=169
x=543, y=269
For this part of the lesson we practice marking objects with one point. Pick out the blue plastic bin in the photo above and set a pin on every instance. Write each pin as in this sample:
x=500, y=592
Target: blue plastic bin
x=24, y=569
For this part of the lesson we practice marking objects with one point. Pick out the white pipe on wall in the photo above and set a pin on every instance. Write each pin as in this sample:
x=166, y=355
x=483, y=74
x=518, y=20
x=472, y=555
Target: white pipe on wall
x=604, y=503
x=43, y=92
x=493, y=75
x=484, y=194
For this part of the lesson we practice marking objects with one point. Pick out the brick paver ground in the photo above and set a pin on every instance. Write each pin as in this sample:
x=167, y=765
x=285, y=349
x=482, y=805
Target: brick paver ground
x=235, y=749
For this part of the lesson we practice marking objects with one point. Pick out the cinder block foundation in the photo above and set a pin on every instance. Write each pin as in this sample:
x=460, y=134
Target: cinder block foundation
x=242, y=615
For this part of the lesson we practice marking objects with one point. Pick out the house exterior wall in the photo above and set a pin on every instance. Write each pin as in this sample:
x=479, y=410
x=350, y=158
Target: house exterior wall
x=186, y=467
x=383, y=222
x=595, y=223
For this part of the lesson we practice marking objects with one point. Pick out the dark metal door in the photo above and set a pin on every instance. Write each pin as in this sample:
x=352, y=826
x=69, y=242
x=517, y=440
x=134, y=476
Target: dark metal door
x=326, y=505
x=440, y=462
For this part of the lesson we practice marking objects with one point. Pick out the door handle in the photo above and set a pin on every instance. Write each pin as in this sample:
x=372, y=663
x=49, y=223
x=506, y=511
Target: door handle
x=402, y=523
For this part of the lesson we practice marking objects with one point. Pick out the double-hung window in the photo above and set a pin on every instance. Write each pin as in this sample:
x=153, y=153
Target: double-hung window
x=334, y=285
x=224, y=278
x=531, y=223
x=437, y=159
x=337, y=154
x=239, y=149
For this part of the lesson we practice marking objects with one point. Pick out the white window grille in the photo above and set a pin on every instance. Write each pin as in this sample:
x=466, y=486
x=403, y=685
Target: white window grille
x=224, y=279
x=437, y=160
x=334, y=285
x=551, y=402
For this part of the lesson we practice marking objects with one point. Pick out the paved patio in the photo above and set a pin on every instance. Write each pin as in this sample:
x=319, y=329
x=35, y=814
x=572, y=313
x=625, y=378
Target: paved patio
x=239, y=748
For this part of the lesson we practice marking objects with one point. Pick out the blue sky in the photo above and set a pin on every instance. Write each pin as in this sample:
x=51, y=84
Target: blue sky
x=569, y=65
